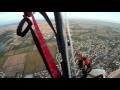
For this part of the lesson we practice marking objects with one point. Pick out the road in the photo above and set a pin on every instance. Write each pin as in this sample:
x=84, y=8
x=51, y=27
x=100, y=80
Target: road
x=115, y=74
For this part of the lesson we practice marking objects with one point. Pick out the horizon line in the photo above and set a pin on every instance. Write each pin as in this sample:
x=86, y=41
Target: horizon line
x=17, y=22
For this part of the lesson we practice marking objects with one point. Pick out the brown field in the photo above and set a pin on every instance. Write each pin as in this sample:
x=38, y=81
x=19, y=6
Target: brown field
x=15, y=60
x=53, y=50
x=14, y=64
x=34, y=47
x=6, y=48
x=11, y=71
x=44, y=27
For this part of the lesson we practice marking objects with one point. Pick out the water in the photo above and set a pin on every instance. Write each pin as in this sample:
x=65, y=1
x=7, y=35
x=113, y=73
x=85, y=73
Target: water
x=1, y=48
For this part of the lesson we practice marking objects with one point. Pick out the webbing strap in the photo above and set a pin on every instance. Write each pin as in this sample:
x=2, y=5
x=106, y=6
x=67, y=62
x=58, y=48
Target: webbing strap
x=41, y=46
x=58, y=38
x=48, y=21
x=49, y=59
x=52, y=27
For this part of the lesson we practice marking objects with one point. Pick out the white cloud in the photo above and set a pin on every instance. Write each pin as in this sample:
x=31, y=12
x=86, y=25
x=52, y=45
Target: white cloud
x=106, y=16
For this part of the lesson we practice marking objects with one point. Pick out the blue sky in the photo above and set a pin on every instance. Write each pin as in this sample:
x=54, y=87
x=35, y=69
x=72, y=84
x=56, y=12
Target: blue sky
x=10, y=17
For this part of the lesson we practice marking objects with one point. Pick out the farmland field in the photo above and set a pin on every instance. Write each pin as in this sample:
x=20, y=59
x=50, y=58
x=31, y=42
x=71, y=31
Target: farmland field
x=6, y=48
x=20, y=54
x=2, y=61
x=14, y=64
x=14, y=60
x=33, y=63
x=19, y=51
x=53, y=50
x=34, y=47
x=9, y=53
x=12, y=70
x=29, y=48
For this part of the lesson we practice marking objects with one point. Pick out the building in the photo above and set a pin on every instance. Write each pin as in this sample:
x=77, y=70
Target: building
x=2, y=75
x=29, y=76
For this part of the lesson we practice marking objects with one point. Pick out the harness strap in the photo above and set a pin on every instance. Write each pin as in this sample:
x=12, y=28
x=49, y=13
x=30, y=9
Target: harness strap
x=40, y=44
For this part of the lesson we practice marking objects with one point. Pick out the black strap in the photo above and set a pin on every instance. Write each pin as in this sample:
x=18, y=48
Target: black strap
x=51, y=25
x=48, y=20
x=58, y=39
x=22, y=34
x=61, y=43
x=20, y=26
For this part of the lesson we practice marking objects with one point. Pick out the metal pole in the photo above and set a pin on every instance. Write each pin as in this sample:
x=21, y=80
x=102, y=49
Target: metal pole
x=63, y=45
x=71, y=44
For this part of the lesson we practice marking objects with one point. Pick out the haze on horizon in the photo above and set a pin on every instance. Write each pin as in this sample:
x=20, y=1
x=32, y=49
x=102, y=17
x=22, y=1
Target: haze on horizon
x=16, y=17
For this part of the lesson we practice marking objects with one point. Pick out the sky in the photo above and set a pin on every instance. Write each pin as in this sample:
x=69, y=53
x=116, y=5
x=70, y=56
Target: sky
x=11, y=17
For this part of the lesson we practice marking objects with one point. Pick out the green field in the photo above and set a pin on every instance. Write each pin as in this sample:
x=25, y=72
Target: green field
x=9, y=53
x=6, y=49
x=19, y=51
x=34, y=47
x=83, y=49
x=29, y=48
x=53, y=50
x=1, y=54
x=33, y=63
x=2, y=61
